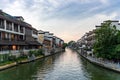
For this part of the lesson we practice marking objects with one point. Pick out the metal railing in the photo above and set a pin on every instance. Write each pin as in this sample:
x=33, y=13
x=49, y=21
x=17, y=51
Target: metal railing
x=15, y=51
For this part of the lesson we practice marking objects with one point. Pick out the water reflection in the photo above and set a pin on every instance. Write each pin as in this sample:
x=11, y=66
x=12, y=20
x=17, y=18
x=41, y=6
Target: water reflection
x=64, y=66
x=98, y=73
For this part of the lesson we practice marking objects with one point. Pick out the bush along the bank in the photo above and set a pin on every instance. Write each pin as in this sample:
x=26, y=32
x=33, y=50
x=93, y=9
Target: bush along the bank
x=12, y=58
x=35, y=52
x=6, y=59
x=107, y=45
x=9, y=58
x=40, y=52
x=21, y=57
x=3, y=57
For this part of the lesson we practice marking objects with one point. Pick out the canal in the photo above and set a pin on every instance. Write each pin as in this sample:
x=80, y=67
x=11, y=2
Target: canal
x=67, y=65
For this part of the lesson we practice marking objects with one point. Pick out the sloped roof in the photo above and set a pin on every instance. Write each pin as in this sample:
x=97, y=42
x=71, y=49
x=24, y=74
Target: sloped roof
x=8, y=17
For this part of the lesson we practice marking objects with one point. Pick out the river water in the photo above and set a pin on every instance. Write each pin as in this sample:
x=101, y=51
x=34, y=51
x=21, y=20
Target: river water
x=67, y=65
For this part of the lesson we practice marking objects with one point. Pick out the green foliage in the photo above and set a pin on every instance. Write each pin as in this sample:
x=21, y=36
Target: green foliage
x=5, y=62
x=4, y=57
x=107, y=39
x=7, y=57
x=70, y=43
x=36, y=52
x=21, y=57
x=118, y=37
x=117, y=51
x=12, y=58
x=40, y=51
x=31, y=52
x=64, y=45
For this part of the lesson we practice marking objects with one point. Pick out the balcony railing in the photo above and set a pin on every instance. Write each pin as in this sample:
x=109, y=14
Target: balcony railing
x=16, y=51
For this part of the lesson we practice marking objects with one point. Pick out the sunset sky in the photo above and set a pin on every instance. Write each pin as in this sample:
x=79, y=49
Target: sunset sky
x=67, y=19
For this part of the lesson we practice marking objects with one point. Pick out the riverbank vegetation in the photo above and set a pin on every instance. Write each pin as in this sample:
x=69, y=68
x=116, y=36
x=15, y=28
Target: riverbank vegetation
x=35, y=52
x=10, y=58
x=107, y=42
x=6, y=59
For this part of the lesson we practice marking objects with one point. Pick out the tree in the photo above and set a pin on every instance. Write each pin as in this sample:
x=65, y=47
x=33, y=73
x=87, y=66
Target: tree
x=106, y=41
x=71, y=42
x=64, y=45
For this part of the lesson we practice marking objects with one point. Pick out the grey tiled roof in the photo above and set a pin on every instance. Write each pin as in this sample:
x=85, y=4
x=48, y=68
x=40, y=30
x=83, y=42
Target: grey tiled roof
x=8, y=17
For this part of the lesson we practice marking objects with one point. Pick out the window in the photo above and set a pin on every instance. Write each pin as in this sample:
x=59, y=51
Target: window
x=21, y=29
x=15, y=37
x=2, y=23
x=9, y=26
x=15, y=27
x=12, y=37
x=3, y=35
x=21, y=37
x=6, y=36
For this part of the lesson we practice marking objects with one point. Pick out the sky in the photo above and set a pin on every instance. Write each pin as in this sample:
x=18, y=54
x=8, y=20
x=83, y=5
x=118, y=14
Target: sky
x=67, y=19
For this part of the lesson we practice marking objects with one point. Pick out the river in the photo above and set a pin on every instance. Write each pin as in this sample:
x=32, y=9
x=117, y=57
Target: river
x=67, y=65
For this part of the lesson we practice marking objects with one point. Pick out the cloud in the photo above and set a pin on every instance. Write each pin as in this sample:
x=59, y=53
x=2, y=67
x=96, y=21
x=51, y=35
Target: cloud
x=47, y=9
x=74, y=29
x=104, y=1
x=68, y=19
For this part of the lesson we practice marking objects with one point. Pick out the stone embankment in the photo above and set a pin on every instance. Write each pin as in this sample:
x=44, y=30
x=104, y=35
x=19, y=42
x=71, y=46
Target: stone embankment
x=103, y=63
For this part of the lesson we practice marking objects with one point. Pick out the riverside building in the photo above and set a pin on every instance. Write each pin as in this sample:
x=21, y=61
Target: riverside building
x=48, y=40
x=87, y=41
x=16, y=35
